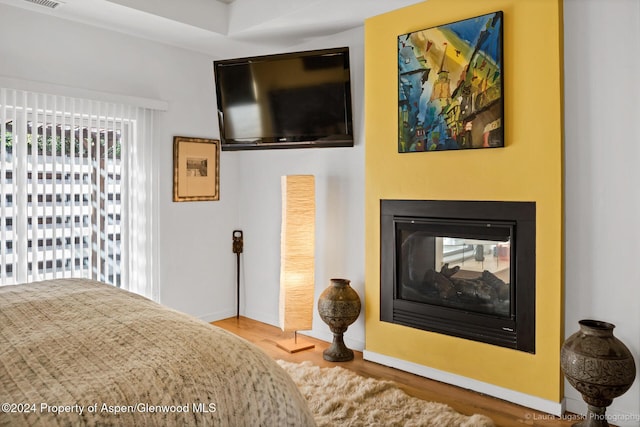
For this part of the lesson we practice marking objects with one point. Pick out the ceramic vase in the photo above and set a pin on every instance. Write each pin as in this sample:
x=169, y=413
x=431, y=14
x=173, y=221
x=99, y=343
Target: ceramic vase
x=339, y=306
x=599, y=366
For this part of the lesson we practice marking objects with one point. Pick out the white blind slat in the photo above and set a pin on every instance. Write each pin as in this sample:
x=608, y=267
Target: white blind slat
x=32, y=136
x=6, y=200
x=57, y=214
x=73, y=207
x=21, y=212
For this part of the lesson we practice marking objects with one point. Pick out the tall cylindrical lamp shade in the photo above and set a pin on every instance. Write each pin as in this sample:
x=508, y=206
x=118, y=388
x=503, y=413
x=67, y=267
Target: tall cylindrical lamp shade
x=297, y=275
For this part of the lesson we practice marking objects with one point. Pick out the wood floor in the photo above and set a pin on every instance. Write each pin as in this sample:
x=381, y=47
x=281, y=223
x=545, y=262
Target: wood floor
x=464, y=401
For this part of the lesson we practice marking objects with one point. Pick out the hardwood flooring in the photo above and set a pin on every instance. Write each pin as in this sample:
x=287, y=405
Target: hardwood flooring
x=464, y=401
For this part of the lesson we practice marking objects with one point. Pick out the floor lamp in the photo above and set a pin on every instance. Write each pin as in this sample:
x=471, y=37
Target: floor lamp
x=297, y=273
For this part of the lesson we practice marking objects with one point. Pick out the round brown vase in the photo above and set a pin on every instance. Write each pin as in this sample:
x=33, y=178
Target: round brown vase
x=339, y=306
x=599, y=366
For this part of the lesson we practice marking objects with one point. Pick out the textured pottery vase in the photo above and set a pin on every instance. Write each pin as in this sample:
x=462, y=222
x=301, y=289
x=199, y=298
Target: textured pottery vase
x=339, y=306
x=599, y=366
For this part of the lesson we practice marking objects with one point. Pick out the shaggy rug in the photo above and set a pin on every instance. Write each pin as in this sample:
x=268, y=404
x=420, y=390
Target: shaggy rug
x=339, y=397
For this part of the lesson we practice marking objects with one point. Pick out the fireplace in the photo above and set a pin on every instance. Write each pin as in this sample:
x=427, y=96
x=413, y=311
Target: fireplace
x=461, y=268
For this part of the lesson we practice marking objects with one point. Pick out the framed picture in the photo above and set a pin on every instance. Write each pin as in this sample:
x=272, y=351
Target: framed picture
x=450, y=86
x=196, y=169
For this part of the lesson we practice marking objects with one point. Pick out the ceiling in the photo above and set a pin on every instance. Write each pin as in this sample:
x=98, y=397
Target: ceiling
x=218, y=27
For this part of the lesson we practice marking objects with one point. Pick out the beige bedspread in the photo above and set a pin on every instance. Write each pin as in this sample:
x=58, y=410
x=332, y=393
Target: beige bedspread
x=77, y=352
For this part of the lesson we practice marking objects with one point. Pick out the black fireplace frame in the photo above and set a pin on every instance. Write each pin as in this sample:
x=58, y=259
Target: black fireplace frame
x=516, y=331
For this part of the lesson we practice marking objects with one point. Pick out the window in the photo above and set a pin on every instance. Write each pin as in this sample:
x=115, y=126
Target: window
x=75, y=193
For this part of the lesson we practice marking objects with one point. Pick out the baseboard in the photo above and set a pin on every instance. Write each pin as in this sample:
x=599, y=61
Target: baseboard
x=320, y=331
x=218, y=315
x=263, y=317
x=328, y=337
x=516, y=397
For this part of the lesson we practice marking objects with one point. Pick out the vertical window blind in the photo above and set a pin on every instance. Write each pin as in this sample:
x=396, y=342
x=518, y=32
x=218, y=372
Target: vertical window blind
x=76, y=196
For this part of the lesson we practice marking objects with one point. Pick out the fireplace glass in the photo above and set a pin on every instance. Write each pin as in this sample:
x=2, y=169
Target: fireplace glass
x=465, y=266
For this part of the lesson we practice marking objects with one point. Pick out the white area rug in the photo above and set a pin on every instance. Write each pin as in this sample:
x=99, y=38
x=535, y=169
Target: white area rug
x=339, y=397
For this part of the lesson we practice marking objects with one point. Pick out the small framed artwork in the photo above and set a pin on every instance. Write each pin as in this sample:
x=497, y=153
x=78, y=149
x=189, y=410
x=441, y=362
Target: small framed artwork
x=196, y=169
x=450, y=86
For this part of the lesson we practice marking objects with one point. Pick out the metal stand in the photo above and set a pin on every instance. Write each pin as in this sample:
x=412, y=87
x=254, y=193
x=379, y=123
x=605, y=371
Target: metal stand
x=238, y=243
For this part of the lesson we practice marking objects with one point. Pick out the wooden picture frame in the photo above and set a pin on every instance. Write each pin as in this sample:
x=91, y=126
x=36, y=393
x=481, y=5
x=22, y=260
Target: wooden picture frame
x=196, y=169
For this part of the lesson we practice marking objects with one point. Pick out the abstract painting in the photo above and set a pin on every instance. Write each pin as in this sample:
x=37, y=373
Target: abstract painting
x=450, y=84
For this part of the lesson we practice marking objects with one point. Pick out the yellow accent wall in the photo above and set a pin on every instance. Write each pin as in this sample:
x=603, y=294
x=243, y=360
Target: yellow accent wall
x=528, y=168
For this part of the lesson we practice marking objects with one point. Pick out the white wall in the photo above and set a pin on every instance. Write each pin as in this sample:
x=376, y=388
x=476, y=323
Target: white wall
x=339, y=176
x=602, y=158
x=197, y=266
x=195, y=258
x=602, y=149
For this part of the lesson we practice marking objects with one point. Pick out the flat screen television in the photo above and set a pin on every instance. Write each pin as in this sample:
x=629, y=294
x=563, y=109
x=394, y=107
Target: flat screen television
x=290, y=100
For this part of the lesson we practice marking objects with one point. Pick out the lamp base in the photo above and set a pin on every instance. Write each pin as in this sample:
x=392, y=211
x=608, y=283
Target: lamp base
x=294, y=345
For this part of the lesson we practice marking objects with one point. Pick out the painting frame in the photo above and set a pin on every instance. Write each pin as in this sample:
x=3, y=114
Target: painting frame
x=196, y=169
x=451, y=86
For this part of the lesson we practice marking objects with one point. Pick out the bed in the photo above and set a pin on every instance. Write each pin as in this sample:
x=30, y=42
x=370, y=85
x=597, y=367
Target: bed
x=79, y=352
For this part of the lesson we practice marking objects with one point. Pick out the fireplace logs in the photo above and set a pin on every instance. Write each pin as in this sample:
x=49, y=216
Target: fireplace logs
x=485, y=293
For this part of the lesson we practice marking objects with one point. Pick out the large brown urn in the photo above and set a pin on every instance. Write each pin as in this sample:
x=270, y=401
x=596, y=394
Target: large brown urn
x=339, y=306
x=599, y=366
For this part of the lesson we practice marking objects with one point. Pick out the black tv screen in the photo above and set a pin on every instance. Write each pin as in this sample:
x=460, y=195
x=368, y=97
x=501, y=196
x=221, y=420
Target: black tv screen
x=290, y=100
